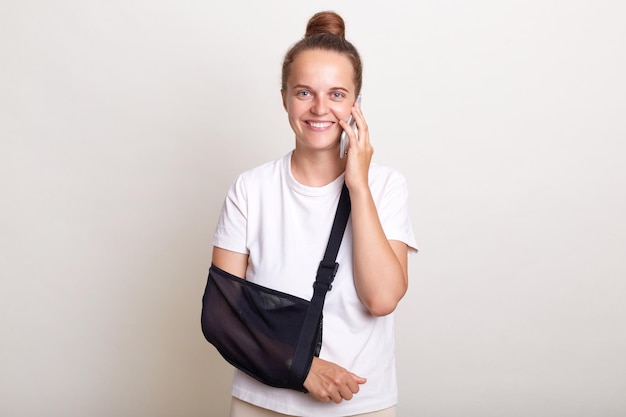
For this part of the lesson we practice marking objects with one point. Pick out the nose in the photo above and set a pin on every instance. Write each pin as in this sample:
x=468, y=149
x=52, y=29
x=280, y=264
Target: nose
x=319, y=105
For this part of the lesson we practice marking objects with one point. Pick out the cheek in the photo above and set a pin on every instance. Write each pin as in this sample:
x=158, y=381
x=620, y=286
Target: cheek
x=294, y=114
x=294, y=109
x=343, y=112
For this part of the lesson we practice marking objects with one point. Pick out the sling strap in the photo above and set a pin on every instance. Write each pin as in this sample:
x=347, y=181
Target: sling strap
x=323, y=283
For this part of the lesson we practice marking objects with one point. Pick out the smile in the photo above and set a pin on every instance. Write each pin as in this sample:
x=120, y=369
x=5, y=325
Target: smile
x=320, y=125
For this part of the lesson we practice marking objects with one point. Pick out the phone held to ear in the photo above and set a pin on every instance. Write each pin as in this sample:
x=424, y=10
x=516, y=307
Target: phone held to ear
x=343, y=141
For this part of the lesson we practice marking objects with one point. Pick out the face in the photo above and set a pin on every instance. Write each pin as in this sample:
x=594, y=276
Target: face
x=320, y=92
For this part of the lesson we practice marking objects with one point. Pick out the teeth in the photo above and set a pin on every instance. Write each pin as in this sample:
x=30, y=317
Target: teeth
x=320, y=125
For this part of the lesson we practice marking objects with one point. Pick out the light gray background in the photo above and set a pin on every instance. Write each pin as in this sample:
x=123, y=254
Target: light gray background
x=122, y=123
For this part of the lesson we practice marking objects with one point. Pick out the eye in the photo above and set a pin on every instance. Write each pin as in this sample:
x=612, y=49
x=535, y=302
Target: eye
x=303, y=94
x=338, y=95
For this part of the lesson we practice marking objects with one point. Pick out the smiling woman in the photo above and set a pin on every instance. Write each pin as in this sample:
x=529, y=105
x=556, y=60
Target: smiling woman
x=274, y=226
x=320, y=92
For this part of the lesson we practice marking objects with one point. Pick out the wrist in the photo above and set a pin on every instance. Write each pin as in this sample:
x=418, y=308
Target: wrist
x=359, y=191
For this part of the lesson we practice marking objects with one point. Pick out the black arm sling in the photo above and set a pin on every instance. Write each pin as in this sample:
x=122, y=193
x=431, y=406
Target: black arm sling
x=270, y=335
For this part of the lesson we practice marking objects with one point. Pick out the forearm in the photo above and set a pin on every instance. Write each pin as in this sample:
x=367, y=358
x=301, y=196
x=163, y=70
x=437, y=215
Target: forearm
x=380, y=270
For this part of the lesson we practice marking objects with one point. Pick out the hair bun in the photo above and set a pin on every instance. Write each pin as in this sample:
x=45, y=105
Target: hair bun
x=326, y=22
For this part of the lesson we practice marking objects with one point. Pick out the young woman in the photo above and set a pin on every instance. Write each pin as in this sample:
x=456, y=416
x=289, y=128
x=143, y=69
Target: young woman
x=275, y=224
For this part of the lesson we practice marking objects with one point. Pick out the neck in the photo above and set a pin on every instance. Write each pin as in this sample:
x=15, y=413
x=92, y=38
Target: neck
x=316, y=169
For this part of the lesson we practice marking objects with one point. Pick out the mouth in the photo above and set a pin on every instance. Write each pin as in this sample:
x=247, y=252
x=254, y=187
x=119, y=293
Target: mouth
x=319, y=125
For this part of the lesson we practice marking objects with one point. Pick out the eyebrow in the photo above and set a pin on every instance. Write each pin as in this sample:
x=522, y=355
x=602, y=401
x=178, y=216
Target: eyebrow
x=309, y=88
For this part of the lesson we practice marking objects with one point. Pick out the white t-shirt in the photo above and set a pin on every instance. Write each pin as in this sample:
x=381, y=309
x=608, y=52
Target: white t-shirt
x=284, y=227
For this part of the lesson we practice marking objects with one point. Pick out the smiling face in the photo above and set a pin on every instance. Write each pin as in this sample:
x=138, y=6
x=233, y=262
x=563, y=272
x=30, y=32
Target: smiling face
x=320, y=91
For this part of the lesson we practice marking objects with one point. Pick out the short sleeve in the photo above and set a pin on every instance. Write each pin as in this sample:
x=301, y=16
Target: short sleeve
x=394, y=213
x=230, y=233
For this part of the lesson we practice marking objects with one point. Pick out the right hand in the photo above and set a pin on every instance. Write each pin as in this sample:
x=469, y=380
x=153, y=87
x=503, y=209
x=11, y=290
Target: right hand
x=328, y=382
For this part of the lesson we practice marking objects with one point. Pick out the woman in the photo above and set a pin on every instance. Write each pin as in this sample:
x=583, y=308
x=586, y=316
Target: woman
x=275, y=223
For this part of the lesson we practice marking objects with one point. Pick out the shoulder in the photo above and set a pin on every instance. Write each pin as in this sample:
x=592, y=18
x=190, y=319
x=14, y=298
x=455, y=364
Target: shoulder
x=259, y=177
x=263, y=172
x=386, y=177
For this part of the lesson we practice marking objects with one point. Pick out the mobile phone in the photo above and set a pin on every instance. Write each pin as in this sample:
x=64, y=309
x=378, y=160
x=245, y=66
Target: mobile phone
x=343, y=140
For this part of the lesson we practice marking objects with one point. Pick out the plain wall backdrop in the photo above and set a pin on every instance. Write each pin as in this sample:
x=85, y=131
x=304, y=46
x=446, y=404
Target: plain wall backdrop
x=122, y=123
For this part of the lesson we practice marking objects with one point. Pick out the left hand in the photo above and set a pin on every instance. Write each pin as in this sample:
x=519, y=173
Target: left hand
x=328, y=382
x=360, y=151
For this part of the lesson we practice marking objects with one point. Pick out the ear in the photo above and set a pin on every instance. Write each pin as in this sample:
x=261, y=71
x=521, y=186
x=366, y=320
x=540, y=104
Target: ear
x=283, y=94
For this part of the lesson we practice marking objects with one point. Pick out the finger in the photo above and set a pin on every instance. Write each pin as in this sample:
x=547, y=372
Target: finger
x=353, y=384
x=347, y=128
x=324, y=397
x=346, y=392
x=359, y=379
x=336, y=397
x=361, y=124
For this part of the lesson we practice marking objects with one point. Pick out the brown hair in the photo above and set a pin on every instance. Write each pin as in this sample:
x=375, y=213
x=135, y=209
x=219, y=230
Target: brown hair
x=325, y=31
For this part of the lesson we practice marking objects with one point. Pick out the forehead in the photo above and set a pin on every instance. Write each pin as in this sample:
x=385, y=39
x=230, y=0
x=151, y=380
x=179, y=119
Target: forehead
x=320, y=68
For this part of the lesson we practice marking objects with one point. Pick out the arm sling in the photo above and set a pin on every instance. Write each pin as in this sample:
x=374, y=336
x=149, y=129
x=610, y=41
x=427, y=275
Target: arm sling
x=268, y=334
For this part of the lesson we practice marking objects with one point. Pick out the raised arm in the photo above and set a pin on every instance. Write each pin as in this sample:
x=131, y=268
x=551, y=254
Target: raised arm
x=380, y=265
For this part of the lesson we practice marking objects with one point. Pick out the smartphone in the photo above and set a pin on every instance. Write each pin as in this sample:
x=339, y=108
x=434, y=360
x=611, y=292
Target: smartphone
x=343, y=141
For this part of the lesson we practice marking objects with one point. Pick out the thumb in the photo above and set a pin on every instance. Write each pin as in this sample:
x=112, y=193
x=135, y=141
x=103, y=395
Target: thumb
x=359, y=379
